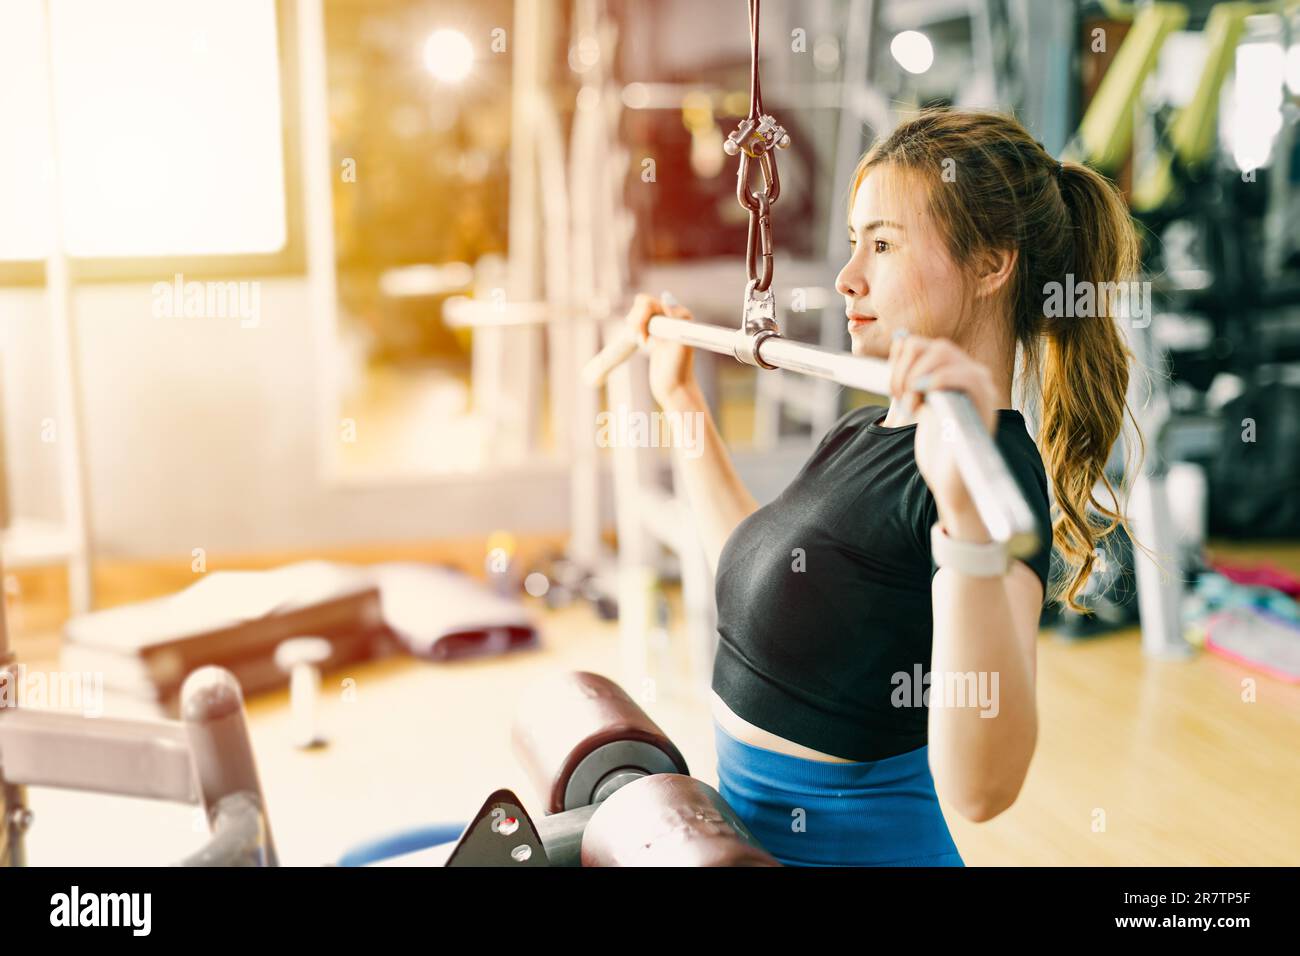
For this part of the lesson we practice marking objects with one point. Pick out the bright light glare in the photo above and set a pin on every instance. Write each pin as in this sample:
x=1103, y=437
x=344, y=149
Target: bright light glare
x=164, y=147
x=1257, y=117
x=448, y=55
x=913, y=51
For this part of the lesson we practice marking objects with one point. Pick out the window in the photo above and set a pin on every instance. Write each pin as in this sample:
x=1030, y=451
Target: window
x=170, y=131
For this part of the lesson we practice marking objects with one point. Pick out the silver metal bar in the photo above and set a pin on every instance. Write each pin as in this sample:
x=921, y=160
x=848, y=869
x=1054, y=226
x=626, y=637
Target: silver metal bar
x=213, y=721
x=240, y=835
x=698, y=335
x=561, y=834
x=998, y=499
x=462, y=312
x=839, y=367
x=104, y=755
x=997, y=496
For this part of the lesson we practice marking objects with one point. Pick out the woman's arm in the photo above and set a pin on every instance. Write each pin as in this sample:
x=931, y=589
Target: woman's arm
x=985, y=629
x=985, y=634
x=717, y=497
x=713, y=491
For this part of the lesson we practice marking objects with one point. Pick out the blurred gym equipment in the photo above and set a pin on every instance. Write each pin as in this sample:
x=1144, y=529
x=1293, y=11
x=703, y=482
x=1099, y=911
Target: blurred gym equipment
x=204, y=759
x=616, y=792
x=1184, y=194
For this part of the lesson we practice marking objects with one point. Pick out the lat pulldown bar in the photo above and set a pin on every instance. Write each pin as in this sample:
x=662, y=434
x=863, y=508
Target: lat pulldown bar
x=999, y=500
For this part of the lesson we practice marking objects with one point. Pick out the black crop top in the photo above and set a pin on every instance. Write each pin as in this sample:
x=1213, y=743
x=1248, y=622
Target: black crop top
x=824, y=594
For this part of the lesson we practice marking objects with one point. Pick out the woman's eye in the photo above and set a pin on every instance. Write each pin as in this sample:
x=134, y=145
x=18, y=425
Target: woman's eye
x=881, y=243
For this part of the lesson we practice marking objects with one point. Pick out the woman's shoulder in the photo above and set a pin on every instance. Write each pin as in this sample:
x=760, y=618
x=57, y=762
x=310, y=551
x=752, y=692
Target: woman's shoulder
x=1017, y=443
x=1020, y=451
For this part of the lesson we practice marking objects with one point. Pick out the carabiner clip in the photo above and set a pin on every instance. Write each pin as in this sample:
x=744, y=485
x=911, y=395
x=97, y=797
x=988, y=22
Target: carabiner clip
x=757, y=322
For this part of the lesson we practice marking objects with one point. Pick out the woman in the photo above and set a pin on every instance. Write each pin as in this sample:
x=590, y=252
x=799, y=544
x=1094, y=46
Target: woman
x=837, y=610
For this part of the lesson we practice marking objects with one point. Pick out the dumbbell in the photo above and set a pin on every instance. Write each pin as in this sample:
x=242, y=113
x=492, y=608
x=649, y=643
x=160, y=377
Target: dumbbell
x=616, y=788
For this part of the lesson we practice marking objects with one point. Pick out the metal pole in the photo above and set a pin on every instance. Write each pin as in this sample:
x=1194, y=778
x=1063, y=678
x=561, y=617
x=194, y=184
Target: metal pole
x=1160, y=593
x=67, y=379
x=999, y=500
x=14, y=814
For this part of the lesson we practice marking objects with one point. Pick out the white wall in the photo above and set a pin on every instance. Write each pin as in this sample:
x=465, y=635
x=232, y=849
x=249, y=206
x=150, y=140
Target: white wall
x=200, y=433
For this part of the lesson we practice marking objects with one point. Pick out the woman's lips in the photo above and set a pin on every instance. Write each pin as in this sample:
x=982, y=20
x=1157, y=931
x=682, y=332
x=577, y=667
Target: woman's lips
x=857, y=320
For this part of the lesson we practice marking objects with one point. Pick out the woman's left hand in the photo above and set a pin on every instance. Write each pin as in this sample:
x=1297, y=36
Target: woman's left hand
x=918, y=365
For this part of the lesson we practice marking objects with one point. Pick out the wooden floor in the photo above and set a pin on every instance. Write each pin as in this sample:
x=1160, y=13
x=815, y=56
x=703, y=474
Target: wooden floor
x=1139, y=762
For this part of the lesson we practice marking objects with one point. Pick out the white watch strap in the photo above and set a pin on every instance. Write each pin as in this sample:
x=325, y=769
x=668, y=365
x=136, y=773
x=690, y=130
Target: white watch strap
x=991, y=560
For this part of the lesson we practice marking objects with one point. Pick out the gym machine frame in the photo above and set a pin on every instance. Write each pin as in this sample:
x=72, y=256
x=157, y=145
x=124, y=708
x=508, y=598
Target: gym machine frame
x=616, y=792
x=205, y=759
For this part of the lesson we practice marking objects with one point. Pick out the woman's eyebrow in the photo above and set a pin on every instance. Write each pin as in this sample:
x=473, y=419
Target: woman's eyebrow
x=875, y=223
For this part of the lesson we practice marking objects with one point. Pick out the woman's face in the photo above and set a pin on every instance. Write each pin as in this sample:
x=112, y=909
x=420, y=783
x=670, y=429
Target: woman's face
x=900, y=274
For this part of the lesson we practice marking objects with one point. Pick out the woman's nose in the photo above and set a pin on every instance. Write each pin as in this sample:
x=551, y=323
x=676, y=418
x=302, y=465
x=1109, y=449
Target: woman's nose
x=850, y=281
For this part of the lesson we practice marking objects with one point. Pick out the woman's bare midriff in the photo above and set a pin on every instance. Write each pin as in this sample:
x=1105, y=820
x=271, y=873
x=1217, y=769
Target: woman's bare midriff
x=746, y=732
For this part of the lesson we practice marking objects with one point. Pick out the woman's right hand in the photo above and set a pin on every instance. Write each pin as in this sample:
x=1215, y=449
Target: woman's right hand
x=672, y=374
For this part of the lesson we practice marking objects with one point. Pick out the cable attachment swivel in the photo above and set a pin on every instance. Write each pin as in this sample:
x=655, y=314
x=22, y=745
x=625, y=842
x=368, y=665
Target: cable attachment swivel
x=758, y=322
x=756, y=136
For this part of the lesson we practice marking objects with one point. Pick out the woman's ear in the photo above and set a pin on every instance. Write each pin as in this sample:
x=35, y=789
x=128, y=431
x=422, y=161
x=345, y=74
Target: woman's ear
x=994, y=271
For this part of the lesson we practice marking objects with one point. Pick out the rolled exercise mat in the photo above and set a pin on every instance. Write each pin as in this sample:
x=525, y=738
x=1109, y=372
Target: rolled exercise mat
x=1256, y=639
x=669, y=820
x=579, y=735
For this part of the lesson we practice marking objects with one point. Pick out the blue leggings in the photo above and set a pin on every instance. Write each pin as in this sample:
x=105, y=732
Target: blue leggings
x=813, y=813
